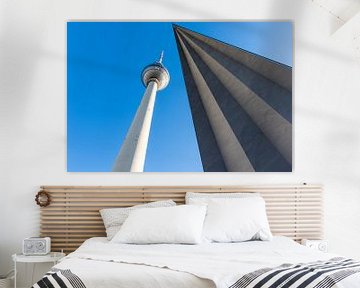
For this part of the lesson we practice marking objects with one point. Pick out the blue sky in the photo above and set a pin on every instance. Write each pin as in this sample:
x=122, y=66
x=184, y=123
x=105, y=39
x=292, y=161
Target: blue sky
x=104, y=89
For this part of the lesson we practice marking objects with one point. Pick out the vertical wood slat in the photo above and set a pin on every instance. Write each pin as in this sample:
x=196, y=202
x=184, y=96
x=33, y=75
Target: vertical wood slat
x=73, y=216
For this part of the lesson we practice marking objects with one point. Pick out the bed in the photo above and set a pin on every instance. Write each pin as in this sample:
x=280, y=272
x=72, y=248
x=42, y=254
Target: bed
x=294, y=211
x=99, y=263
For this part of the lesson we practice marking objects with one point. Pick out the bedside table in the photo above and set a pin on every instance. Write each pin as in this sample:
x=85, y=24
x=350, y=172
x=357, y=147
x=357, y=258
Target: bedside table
x=53, y=257
x=320, y=245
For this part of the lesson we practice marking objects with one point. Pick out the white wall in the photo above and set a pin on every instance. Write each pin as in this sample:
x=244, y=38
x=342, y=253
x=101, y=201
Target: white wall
x=33, y=105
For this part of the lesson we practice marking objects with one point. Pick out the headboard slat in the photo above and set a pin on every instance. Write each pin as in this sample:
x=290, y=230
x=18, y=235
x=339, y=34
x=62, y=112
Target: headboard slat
x=73, y=216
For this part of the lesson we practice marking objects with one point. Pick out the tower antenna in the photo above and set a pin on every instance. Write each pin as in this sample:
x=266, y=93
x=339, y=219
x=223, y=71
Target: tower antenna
x=161, y=56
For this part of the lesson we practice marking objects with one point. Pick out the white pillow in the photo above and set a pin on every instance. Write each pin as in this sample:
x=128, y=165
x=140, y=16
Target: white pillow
x=180, y=224
x=204, y=198
x=113, y=218
x=236, y=220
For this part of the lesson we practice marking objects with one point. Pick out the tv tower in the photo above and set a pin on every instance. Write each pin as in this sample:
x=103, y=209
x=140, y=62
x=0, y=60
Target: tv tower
x=132, y=154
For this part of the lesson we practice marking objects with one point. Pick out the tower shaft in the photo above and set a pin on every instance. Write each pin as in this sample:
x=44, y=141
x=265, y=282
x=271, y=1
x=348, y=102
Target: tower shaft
x=131, y=157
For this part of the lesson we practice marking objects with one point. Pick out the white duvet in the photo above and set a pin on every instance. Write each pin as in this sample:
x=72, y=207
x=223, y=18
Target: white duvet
x=100, y=263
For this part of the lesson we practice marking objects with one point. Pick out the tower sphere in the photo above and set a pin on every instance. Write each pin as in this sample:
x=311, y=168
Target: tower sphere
x=156, y=72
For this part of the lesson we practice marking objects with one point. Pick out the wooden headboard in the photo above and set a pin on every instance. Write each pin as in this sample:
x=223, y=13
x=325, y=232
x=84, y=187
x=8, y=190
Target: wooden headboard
x=73, y=215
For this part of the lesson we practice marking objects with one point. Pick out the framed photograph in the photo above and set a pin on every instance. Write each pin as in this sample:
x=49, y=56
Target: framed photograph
x=179, y=97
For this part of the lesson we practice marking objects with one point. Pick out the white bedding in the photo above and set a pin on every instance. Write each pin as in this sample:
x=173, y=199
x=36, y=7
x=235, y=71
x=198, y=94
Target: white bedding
x=100, y=263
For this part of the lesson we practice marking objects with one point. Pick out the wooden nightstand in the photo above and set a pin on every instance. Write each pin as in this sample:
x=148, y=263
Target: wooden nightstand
x=53, y=257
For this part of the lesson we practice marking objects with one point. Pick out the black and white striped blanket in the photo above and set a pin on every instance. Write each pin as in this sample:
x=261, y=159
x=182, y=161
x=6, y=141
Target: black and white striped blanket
x=59, y=278
x=320, y=274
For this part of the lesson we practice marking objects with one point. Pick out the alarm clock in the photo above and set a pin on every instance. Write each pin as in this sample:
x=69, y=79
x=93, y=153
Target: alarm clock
x=320, y=245
x=36, y=246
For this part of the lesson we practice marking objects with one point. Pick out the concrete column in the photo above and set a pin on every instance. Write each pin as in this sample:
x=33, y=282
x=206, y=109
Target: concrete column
x=131, y=157
x=244, y=100
x=233, y=154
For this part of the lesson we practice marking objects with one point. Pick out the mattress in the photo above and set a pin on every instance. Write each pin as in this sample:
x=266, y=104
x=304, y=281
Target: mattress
x=99, y=263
